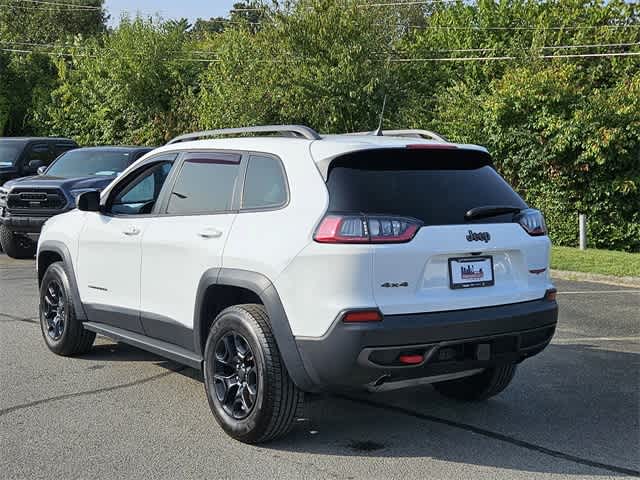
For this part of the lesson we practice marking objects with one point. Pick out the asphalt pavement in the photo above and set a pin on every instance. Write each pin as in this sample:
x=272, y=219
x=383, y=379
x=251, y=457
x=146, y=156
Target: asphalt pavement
x=118, y=412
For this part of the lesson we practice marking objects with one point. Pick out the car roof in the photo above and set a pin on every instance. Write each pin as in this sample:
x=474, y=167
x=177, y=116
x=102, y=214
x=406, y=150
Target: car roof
x=115, y=148
x=31, y=139
x=327, y=147
x=298, y=141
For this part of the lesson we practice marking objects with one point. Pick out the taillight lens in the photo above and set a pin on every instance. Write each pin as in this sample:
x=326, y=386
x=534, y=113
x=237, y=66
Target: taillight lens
x=532, y=221
x=366, y=229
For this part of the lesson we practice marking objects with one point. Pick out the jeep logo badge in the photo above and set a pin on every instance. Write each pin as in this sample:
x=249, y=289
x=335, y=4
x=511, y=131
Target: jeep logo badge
x=479, y=236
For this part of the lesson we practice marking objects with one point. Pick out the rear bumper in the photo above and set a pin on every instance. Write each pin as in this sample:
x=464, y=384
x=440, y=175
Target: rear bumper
x=366, y=355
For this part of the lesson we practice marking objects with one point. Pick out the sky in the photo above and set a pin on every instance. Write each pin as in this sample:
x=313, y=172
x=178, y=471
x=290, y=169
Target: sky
x=190, y=9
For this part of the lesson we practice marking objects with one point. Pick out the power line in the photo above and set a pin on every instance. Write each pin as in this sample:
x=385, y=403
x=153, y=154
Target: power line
x=469, y=59
x=401, y=4
x=514, y=27
x=51, y=6
x=533, y=47
x=394, y=60
x=453, y=50
x=60, y=4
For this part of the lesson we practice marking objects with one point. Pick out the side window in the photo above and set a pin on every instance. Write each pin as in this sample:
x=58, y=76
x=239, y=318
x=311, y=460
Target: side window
x=139, y=195
x=206, y=183
x=38, y=151
x=265, y=185
x=60, y=148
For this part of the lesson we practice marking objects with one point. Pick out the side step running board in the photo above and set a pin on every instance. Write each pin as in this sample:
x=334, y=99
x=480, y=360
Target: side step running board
x=164, y=349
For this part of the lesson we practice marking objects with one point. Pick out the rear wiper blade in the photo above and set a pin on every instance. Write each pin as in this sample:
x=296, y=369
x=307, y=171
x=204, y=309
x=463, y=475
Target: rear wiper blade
x=490, y=211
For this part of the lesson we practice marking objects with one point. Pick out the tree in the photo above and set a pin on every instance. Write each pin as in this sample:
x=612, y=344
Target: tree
x=28, y=74
x=132, y=86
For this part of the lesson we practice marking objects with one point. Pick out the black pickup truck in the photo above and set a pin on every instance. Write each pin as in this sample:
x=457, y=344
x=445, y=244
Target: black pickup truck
x=26, y=203
x=21, y=156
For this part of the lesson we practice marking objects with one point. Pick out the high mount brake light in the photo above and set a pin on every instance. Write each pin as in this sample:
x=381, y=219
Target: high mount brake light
x=366, y=229
x=430, y=146
x=532, y=221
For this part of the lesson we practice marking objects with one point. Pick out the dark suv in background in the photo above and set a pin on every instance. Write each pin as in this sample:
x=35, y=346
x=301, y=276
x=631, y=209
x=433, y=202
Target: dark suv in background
x=21, y=156
x=26, y=203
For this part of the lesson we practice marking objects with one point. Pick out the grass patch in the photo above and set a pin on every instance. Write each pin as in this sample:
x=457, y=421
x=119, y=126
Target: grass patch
x=607, y=262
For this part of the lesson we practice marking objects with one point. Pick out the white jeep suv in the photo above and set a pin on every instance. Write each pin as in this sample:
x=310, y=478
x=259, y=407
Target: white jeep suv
x=280, y=261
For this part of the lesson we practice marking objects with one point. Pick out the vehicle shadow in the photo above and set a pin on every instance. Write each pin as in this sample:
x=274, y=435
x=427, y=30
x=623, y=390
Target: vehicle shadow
x=571, y=410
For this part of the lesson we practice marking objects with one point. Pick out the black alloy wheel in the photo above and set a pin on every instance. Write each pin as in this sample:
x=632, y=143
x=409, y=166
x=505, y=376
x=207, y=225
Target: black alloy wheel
x=54, y=309
x=235, y=375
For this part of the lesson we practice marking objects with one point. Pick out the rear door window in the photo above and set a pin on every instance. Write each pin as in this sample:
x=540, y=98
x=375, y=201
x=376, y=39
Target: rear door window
x=206, y=183
x=39, y=151
x=435, y=186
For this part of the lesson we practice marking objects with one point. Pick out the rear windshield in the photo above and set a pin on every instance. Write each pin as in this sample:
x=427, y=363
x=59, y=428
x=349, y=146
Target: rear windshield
x=435, y=186
x=86, y=163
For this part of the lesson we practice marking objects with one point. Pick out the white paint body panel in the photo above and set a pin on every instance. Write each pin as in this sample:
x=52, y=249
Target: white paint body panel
x=174, y=258
x=267, y=241
x=424, y=264
x=108, y=268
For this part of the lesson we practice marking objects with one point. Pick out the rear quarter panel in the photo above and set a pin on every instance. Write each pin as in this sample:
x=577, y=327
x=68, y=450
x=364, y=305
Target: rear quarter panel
x=267, y=241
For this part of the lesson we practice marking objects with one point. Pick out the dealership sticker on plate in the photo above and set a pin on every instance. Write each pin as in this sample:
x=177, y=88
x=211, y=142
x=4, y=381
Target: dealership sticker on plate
x=468, y=272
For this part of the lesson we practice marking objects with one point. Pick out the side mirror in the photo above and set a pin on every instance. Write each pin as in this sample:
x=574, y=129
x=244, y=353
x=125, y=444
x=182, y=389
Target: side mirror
x=34, y=165
x=88, y=201
x=41, y=170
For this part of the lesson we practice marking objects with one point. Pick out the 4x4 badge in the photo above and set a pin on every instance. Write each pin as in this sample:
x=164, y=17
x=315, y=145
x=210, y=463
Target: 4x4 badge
x=394, y=285
x=479, y=236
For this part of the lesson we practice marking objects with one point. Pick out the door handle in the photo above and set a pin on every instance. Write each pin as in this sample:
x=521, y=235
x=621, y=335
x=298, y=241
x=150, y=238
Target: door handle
x=210, y=233
x=131, y=231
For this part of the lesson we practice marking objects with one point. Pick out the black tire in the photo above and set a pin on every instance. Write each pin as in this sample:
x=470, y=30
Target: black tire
x=478, y=387
x=276, y=403
x=15, y=245
x=66, y=336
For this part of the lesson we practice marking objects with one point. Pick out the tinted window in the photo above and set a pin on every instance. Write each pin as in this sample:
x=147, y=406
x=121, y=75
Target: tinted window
x=9, y=152
x=140, y=194
x=437, y=187
x=86, y=163
x=60, y=148
x=39, y=151
x=264, y=185
x=206, y=183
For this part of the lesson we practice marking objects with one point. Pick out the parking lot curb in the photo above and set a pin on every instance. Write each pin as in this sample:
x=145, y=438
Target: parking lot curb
x=596, y=277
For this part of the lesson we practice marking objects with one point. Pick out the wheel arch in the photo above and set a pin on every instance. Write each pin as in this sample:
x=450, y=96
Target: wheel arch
x=251, y=287
x=51, y=251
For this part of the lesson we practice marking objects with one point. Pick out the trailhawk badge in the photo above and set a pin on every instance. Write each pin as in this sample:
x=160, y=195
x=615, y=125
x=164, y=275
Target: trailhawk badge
x=478, y=237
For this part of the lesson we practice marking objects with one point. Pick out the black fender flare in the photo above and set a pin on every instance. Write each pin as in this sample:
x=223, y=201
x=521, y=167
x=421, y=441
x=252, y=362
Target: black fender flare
x=67, y=263
x=266, y=291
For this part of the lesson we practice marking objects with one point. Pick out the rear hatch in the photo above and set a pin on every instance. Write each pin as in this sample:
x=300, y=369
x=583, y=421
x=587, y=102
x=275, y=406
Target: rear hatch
x=453, y=262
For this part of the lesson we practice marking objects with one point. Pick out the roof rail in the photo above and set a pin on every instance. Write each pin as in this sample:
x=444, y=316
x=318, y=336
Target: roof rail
x=417, y=133
x=287, y=130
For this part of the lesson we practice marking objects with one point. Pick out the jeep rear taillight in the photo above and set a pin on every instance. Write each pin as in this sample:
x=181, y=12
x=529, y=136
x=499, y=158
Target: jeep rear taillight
x=366, y=229
x=532, y=221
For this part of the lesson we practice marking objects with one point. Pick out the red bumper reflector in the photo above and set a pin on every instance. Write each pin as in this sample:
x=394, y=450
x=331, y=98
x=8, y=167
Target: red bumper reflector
x=550, y=295
x=411, y=359
x=362, y=316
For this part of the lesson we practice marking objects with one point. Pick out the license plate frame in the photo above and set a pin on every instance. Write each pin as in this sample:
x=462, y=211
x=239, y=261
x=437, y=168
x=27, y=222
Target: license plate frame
x=483, y=282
